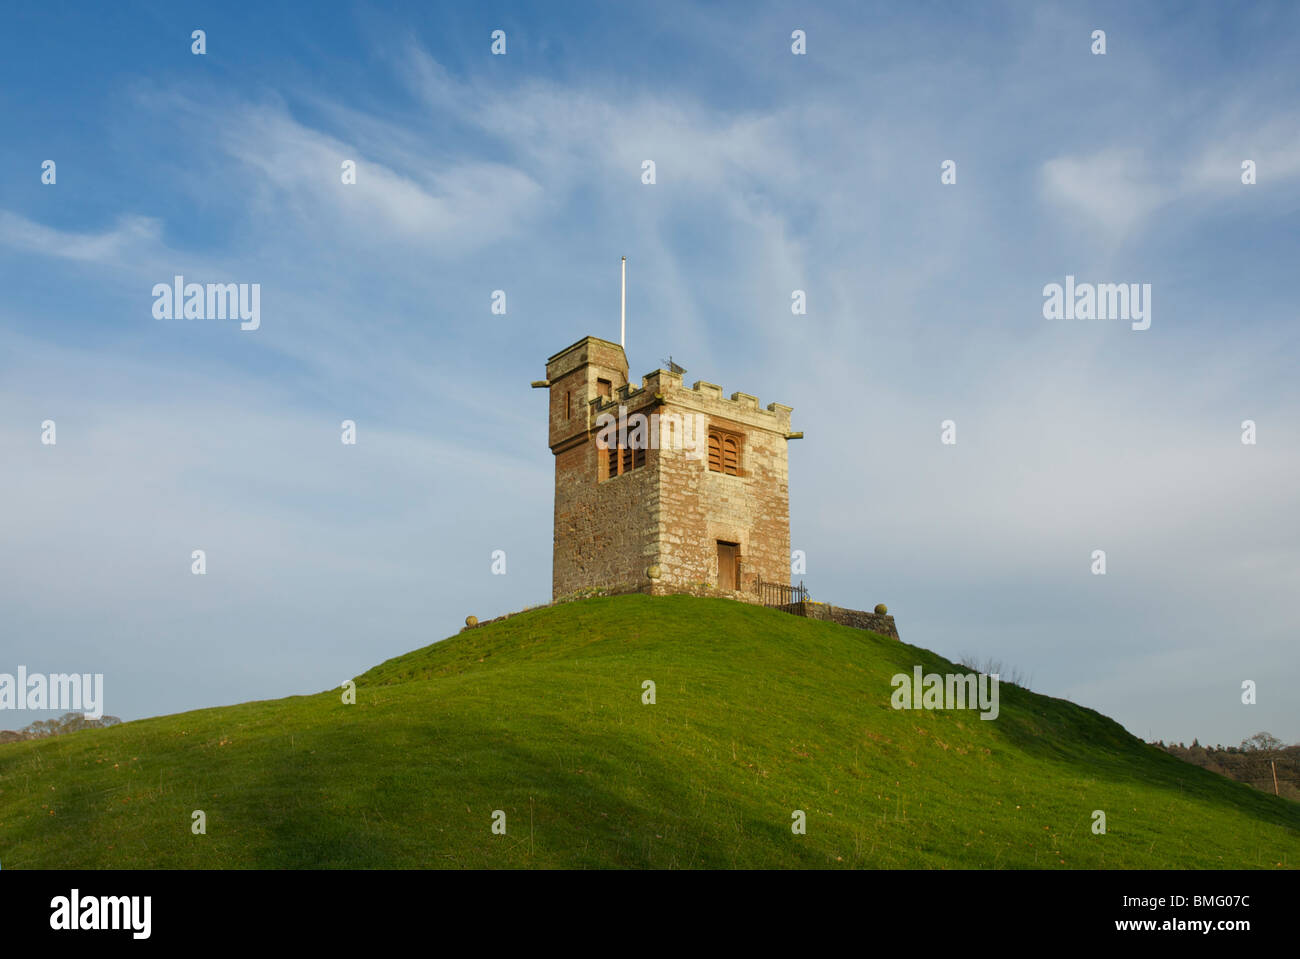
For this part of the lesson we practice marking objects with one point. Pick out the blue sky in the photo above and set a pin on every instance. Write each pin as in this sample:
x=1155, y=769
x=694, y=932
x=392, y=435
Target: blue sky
x=775, y=172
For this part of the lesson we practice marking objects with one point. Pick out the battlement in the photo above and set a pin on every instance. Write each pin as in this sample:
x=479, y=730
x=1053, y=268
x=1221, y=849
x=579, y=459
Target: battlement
x=664, y=386
x=708, y=398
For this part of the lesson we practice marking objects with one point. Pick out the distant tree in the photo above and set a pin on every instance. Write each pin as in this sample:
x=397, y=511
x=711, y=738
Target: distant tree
x=1262, y=742
x=67, y=723
x=1011, y=675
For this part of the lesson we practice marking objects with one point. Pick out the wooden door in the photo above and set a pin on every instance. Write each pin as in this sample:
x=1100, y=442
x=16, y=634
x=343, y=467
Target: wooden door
x=728, y=561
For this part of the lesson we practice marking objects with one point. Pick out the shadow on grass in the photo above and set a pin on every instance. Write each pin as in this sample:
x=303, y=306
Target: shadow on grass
x=583, y=810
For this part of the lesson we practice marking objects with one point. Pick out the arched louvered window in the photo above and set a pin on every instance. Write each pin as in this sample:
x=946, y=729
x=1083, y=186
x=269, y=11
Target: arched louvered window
x=724, y=452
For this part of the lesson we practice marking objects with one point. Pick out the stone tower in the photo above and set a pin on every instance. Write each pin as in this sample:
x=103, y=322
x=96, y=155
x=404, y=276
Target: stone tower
x=660, y=488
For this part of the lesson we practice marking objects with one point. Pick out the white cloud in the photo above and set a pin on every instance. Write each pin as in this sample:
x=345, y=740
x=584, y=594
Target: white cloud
x=1113, y=190
x=1274, y=146
x=453, y=207
x=128, y=239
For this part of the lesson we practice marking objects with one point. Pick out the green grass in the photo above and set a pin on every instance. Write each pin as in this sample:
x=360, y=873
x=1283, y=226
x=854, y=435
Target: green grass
x=758, y=713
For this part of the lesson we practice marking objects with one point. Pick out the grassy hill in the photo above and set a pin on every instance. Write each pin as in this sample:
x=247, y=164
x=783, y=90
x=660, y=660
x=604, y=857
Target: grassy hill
x=758, y=713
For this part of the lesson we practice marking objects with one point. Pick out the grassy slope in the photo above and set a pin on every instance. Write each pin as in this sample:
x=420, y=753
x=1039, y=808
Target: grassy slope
x=758, y=713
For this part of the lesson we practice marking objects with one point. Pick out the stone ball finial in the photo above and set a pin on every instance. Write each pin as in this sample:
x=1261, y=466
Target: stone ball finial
x=881, y=609
x=471, y=620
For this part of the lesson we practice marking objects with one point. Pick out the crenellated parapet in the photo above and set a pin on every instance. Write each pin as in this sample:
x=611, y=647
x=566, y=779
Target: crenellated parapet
x=664, y=387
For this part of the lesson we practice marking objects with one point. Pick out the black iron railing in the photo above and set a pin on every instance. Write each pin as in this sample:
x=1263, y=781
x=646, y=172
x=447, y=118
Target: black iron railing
x=781, y=594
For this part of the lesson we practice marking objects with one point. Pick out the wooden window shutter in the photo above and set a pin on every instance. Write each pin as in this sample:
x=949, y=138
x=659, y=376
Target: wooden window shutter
x=731, y=455
x=715, y=451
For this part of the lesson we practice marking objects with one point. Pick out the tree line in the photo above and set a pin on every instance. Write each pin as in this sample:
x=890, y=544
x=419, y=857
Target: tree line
x=1253, y=762
x=67, y=723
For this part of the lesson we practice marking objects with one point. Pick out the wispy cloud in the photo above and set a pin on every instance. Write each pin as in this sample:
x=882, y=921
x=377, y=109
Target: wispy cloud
x=1115, y=189
x=132, y=236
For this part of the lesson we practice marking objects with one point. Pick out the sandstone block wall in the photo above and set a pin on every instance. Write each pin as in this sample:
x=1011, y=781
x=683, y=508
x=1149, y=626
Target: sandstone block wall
x=700, y=507
x=603, y=531
x=858, y=619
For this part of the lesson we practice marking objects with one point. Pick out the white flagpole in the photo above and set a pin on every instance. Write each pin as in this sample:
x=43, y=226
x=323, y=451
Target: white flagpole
x=622, y=322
